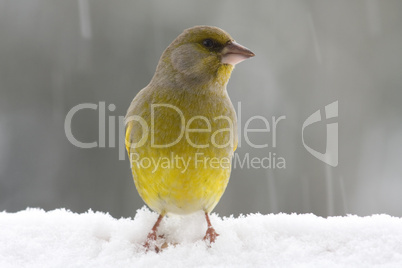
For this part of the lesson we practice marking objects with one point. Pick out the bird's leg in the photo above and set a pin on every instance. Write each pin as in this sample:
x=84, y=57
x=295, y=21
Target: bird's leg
x=151, y=238
x=211, y=234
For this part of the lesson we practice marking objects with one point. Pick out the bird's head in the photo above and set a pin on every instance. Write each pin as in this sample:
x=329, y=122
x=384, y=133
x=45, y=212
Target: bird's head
x=200, y=57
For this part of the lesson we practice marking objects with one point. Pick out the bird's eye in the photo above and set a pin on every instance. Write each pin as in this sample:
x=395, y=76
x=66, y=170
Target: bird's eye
x=208, y=43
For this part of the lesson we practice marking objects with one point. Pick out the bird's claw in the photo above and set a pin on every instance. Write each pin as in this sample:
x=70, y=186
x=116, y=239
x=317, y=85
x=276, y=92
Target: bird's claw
x=151, y=241
x=211, y=235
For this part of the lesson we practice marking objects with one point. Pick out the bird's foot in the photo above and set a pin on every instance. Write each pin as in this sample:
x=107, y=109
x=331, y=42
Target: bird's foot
x=150, y=243
x=151, y=237
x=210, y=235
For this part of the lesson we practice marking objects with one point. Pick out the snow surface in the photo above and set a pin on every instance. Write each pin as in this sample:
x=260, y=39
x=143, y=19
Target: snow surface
x=60, y=238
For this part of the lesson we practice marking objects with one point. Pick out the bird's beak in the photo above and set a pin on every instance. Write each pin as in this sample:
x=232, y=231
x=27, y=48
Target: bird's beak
x=233, y=53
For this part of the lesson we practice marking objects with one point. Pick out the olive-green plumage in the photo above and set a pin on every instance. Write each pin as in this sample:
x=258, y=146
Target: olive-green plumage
x=186, y=98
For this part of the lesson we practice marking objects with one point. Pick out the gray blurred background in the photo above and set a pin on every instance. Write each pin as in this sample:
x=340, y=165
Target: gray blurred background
x=55, y=55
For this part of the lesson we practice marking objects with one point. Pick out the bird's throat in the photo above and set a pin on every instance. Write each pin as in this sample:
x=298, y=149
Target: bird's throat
x=223, y=74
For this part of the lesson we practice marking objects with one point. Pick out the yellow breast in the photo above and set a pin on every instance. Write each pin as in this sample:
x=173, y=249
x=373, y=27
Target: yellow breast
x=180, y=147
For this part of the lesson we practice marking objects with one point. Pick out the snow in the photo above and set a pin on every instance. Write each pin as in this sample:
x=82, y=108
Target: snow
x=60, y=238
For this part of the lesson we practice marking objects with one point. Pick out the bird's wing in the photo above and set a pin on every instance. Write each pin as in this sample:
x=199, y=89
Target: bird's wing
x=129, y=127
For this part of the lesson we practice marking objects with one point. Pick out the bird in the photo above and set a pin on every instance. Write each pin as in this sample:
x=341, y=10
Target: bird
x=181, y=129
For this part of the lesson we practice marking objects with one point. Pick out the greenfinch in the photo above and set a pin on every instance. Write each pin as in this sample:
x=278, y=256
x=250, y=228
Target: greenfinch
x=181, y=128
